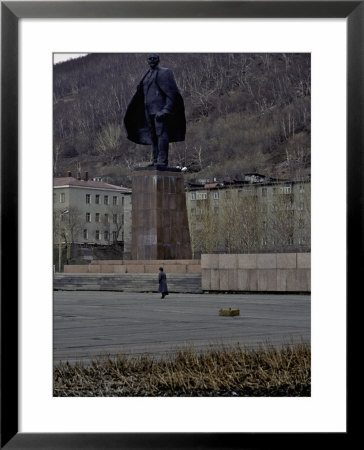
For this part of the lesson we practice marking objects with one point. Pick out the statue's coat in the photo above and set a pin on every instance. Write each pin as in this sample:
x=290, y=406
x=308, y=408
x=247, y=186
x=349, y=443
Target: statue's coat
x=135, y=121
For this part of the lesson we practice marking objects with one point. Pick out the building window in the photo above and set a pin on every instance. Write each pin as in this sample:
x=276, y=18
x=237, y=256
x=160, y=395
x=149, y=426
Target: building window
x=302, y=188
x=97, y=199
x=106, y=235
x=97, y=235
x=88, y=217
x=106, y=218
x=122, y=201
x=193, y=195
x=122, y=219
x=85, y=234
x=62, y=197
x=114, y=200
x=114, y=236
x=286, y=190
x=290, y=240
x=216, y=195
x=97, y=217
x=264, y=192
x=114, y=218
x=106, y=199
x=88, y=199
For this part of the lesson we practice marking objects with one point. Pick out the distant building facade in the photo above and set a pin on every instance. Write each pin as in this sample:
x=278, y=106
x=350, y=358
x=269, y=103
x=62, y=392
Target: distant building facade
x=253, y=215
x=89, y=212
x=256, y=214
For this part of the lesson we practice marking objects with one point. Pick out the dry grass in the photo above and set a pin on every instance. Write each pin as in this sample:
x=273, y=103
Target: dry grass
x=218, y=371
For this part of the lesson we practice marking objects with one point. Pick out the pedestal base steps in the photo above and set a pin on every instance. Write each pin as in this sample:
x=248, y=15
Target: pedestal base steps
x=126, y=282
x=134, y=276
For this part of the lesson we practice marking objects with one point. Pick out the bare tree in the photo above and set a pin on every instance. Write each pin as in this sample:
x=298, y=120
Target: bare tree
x=108, y=141
x=239, y=221
x=242, y=221
x=66, y=226
x=115, y=222
x=289, y=218
x=56, y=154
x=204, y=227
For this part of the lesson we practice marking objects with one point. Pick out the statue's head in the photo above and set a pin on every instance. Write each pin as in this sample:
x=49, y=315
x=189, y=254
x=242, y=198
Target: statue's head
x=153, y=60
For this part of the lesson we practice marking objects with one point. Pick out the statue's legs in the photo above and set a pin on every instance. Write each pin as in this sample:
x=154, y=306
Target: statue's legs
x=163, y=145
x=160, y=144
x=155, y=150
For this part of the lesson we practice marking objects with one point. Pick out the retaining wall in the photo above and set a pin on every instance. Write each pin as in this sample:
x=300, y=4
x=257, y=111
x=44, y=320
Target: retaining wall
x=187, y=266
x=276, y=272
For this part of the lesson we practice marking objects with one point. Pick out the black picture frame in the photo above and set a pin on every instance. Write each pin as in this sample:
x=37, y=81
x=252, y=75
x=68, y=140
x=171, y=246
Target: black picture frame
x=11, y=12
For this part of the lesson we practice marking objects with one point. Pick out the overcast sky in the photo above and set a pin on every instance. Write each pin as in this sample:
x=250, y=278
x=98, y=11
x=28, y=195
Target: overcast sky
x=60, y=57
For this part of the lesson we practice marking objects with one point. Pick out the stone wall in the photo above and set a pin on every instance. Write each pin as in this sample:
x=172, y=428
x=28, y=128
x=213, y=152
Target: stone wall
x=275, y=272
x=182, y=266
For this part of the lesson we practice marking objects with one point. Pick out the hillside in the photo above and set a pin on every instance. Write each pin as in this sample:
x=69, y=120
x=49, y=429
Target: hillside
x=244, y=112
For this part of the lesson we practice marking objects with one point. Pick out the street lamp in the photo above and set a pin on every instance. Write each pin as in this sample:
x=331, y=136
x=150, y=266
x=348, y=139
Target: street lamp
x=60, y=242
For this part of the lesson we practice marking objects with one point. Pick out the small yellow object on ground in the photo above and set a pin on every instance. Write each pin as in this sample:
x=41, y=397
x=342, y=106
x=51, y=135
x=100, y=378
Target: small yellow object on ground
x=229, y=312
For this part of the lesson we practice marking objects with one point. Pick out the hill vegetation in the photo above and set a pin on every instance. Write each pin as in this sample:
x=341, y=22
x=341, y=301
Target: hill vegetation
x=244, y=112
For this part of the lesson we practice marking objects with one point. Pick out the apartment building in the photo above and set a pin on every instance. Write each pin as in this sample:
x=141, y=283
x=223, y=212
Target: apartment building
x=255, y=214
x=91, y=212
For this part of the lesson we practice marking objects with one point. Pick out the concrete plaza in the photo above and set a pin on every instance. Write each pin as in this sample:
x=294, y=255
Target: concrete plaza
x=88, y=324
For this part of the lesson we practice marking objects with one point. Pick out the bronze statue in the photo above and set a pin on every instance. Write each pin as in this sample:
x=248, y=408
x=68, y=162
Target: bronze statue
x=156, y=114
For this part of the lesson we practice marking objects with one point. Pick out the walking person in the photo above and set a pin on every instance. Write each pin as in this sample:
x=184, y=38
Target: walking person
x=162, y=279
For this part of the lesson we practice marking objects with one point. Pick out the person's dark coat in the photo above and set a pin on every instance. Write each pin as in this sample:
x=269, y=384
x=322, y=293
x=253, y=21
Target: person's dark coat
x=162, y=279
x=137, y=128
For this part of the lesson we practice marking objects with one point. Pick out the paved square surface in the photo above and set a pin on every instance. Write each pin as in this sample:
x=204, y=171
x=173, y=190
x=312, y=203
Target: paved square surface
x=92, y=323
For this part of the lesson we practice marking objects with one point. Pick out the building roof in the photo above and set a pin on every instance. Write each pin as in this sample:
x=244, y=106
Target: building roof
x=71, y=181
x=256, y=174
x=211, y=185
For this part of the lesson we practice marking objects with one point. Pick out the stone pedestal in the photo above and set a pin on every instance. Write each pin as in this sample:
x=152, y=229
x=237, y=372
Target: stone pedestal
x=159, y=215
